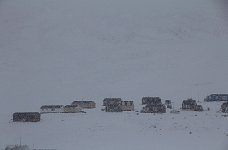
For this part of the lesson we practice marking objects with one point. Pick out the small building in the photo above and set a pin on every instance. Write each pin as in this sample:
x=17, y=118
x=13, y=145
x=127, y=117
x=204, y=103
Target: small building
x=168, y=104
x=26, y=117
x=216, y=97
x=189, y=104
x=160, y=108
x=151, y=101
x=198, y=108
x=52, y=109
x=107, y=101
x=114, y=106
x=153, y=105
x=72, y=109
x=127, y=106
x=84, y=104
x=117, y=105
x=224, y=107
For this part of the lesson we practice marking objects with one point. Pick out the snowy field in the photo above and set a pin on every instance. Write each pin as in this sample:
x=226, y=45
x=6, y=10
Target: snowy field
x=128, y=130
x=55, y=52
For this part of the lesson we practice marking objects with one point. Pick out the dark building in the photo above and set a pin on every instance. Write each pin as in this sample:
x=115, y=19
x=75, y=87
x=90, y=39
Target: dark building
x=168, y=104
x=26, y=117
x=224, y=107
x=117, y=105
x=84, y=104
x=198, y=108
x=113, y=106
x=51, y=109
x=216, y=97
x=191, y=104
x=153, y=105
x=160, y=108
x=151, y=101
x=72, y=109
x=127, y=106
x=107, y=101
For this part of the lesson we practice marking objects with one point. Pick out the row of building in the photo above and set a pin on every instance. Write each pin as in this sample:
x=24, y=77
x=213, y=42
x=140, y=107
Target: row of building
x=74, y=107
x=150, y=105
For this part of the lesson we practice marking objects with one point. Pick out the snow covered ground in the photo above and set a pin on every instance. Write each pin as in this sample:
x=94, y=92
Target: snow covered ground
x=54, y=52
x=128, y=130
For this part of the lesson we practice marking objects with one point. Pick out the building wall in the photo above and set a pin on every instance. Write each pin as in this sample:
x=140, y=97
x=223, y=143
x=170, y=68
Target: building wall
x=188, y=107
x=151, y=100
x=110, y=108
x=85, y=104
x=89, y=105
x=72, y=109
x=217, y=97
x=224, y=107
x=127, y=106
x=52, y=110
x=26, y=117
x=108, y=101
x=154, y=109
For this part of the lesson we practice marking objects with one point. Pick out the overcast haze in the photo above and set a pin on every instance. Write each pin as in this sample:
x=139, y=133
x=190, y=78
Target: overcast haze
x=93, y=49
x=55, y=52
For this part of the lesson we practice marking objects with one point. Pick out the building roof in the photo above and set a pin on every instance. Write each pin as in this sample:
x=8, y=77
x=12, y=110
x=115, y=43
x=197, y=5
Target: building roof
x=151, y=100
x=83, y=102
x=26, y=113
x=218, y=95
x=225, y=104
x=112, y=99
x=189, y=102
x=51, y=106
x=155, y=105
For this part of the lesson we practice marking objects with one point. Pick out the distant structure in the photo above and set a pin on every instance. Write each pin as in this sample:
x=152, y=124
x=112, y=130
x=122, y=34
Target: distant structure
x=84, y=104
x=127, y=106
x=108, y=101
x=224, y=107
x=51, y=109
x=153, y=105
x=168, y=104
x=216, y=97
x=72, y=109
x=26, y=117
x=112, y=104
x=117, y=105
x=160, y=108
x=151, y=101
x=191, y=104
x=198, y=108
